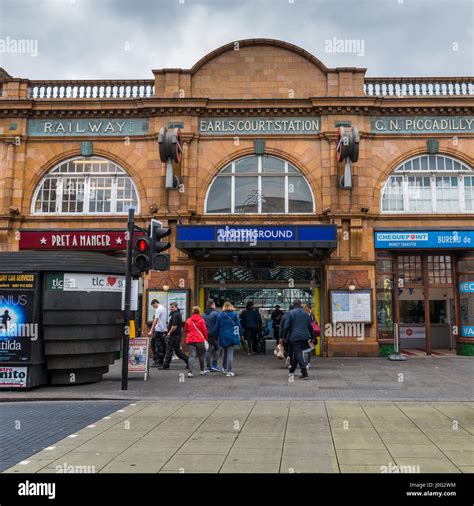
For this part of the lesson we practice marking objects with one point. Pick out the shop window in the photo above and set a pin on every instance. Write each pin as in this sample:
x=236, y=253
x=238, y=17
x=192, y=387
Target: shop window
x=260, y=185
x=439, y=270
x=85, y=186
x=412, y=312
x=410, y=270
x=429, y=184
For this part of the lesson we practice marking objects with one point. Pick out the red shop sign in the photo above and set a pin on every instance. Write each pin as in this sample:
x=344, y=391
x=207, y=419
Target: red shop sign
x=96, y=240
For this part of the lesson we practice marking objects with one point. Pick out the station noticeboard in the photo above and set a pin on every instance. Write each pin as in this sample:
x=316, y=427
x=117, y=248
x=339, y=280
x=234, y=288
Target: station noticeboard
x=351, y=306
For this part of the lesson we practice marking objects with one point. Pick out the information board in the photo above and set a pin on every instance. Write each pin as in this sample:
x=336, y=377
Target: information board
x=165, y=298
x=353, y=307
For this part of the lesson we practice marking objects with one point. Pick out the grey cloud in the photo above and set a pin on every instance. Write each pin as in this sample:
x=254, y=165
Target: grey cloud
x=101, y=39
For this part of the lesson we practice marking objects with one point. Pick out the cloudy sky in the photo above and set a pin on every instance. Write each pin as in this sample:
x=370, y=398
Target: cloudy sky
x=94, y=39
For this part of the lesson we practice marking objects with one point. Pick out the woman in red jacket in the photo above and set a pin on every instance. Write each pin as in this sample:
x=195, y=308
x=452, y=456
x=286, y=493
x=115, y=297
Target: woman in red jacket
x=196, y=337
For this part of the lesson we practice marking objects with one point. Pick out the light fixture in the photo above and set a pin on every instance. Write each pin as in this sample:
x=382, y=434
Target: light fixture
x=205, y=253
x=364, y=210
x=352, y=287
x=166, y=287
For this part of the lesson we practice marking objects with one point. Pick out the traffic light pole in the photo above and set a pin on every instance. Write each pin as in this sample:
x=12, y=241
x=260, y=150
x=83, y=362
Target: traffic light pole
x=128, y=296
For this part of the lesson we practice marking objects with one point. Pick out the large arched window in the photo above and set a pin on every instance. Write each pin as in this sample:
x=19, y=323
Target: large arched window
x=91, y=185
x=429, y=184
x=259, y=184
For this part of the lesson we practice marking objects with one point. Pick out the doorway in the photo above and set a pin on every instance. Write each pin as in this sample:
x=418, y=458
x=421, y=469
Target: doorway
x=265, y=287
x=421, y=301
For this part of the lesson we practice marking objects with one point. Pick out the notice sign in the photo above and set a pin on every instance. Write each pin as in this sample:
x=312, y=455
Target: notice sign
x=353, y=307
x=81, y=282
x=138, y=355
x=13, y=377
x=412, y=332
x=87, y=127
x=422, y=124
x=93, y=240
x=249, y=125
x=17, y=316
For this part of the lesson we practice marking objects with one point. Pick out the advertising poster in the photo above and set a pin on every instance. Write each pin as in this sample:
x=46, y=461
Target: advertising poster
x=162, y=297
x=13, y=377
x=81, y=282
x=138, y=355
x=17, y=316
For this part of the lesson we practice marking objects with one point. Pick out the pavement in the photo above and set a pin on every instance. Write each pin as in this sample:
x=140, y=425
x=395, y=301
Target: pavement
x=263, y=377
x=26, y=427
x=271, y=436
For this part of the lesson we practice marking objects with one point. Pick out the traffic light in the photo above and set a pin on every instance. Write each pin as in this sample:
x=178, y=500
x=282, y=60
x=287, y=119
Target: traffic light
x=141, y=255
x=159, y=262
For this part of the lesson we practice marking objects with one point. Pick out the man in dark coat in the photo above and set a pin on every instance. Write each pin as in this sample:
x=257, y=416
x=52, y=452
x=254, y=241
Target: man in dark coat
x=276, y=317
x=251, y=321
x=297, y=329
x=210, y=318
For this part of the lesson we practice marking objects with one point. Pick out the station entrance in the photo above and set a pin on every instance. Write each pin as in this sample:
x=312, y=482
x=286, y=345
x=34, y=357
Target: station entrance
x=265, y=287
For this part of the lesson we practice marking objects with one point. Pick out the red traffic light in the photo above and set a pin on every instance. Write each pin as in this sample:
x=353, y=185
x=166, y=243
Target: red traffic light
x=142, y=244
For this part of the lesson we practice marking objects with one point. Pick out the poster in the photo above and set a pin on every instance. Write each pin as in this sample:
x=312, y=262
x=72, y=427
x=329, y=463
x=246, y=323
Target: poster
x=138, y=355
x=81, y=282
x=181, y=298
x=17, y=316
x=13, y=377
x=162, y=297
x=347, y=306
x=165, y=298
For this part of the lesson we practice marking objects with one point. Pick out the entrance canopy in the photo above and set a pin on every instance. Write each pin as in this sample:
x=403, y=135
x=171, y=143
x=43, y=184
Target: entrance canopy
x=207, y=240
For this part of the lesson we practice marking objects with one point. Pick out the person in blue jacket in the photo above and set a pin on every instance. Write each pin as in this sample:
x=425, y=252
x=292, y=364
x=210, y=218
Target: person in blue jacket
x=229, y=331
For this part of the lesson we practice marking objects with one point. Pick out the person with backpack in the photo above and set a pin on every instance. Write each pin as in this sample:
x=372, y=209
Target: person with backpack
x=297, y=329
x=210, y=318
x=229, y=332
x=196, y=339
x=251, y=322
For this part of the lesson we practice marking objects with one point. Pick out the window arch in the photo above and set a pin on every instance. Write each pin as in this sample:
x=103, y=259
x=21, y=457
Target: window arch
x=85, y=185
x=429, y=184
x=259, y=184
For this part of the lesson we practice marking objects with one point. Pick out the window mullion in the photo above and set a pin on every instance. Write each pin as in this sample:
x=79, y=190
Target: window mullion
x=287, y=196
x=113, y=196
x=232, y=189
x=259, y=185
x=59, y=194
x=433, y=194
x=87, y=182
x=462, y=206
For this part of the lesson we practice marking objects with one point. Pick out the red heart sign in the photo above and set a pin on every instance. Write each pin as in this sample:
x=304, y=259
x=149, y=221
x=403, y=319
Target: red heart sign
x=111, y=280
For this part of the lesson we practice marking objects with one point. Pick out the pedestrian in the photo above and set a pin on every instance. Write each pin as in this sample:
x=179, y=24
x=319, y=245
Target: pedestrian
x=298, y=329
x=196, y=339
x=311, y=342
x=174, y=336
x=251, y=322
x=210, y=318
x=229, y=331
x=276, y=317
x=284, y=339
x=158, y=331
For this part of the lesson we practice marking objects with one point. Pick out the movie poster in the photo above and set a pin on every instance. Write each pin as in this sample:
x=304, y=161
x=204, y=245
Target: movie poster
x=18, y=327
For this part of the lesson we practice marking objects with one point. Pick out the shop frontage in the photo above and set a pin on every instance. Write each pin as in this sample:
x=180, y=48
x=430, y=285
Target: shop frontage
x=264, y=204
x=424, y=288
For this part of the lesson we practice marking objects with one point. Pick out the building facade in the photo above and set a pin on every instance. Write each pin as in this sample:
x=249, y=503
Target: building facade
x=259, y=212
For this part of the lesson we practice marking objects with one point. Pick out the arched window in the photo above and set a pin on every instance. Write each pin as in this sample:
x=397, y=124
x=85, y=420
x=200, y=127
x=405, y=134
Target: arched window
x=91, y=185
x=429, y=184
x=259, y=184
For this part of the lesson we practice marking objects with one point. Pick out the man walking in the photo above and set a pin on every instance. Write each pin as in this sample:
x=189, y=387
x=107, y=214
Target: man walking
x=297, y=329
x=251, y=323
x=158, y=331
x=210, y=318
x=174, y=336
x=276, y=317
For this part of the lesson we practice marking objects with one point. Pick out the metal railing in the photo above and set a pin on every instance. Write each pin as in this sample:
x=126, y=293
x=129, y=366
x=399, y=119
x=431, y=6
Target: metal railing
x=91, y=89
x=419, y=86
